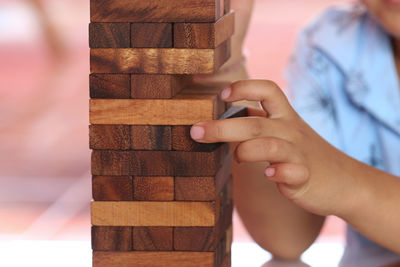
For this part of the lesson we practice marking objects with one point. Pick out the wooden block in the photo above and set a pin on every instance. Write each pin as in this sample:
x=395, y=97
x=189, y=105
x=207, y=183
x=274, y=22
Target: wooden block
x=152, y=238
x=109, y=35
x=203, y=238
x=227, y=262
x=195, y=188
x=154, y=188
x=142, y=213
x=148, y=35
x=158, y=60
x=182, y=141
x=203, y=188
x=154, y=11
x=105, y=238
x=117, y=137
x=146, y=137
x=185, y=108
x=112, y=188
x=145, y=86
x=204, y=35
x=229, y=239
x=157, y=163
x=153, y=259
x=110, y=86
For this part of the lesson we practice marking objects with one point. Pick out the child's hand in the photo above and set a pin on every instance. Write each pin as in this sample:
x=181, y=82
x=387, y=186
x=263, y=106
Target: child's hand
x=307, y=169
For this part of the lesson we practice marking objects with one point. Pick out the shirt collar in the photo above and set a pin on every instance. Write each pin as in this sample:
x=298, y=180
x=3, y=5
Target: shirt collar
x=362, y=50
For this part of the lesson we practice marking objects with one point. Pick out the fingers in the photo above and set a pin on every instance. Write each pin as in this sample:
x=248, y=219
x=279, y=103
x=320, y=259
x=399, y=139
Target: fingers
x=236, y=129
x=271, y=97
x=267, y=149
x=288, y=173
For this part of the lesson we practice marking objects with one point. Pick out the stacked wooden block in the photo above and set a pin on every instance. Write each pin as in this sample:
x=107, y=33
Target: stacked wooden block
x=160, y=199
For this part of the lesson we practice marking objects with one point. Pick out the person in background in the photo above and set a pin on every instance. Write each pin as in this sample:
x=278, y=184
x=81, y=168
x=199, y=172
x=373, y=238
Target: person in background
x=336, y=151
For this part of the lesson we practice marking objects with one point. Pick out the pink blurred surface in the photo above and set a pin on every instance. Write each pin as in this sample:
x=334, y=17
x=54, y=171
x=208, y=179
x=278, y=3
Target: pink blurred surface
x=44, y=155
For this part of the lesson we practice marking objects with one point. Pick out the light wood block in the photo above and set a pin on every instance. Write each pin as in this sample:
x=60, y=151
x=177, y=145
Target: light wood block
x=204, y=35
x=142, y=213
x=153, y=259
x=158, y=60
x=185, y=108
x=155, y=11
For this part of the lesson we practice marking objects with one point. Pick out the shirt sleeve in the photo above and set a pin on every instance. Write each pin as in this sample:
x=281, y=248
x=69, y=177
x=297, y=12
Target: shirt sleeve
x=311, y=80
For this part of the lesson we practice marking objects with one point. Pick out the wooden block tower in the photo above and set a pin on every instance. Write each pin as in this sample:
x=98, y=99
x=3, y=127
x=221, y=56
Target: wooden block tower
x=160, y=199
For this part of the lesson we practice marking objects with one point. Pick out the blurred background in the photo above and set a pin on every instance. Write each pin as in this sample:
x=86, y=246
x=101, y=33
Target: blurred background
x=45, y=186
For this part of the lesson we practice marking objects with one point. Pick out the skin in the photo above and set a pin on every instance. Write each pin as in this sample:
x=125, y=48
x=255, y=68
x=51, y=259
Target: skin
x=287, y=178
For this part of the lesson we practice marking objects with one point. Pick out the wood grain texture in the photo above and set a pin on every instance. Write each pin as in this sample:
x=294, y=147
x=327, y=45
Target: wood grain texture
x=153, y=259
x=112, y=188
x=204, y=35
x=142, y=213
x=151, y=35
x=110, y=86
x=105, y=238
x=203, y=238
x=146, y=137
x=109, y=35
x=153, y=238
x=203, y=188
x=117, y=137
x=158, y=60
x=154, y=11
x=145, y=86
x=157, y=163
x=184, y=109
x=154, y=188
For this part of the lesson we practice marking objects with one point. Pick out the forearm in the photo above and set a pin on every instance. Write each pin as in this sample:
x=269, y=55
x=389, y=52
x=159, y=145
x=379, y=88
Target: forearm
x=274, y=222
x=375, y=212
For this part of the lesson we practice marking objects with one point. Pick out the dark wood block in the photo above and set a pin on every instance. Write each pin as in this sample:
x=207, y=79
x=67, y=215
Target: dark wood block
x=146, y=137
x=195, y=188
x=116, y=137
x=155, y=11
x=144, y=86
x=147, y=35
x=204, y=35
x=152, y=238
x=202, y=238
x=153, y=188
x=157, y=163
x=159, y=60
x=113, y=188
x=203, y=188
x=153, y=259
x=111, y=238
x=181, y=140
x=109, y=35
x=110, y=86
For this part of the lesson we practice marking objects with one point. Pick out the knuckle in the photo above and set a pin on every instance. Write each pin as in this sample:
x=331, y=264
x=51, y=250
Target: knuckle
x=271, y=147
x=256, y=127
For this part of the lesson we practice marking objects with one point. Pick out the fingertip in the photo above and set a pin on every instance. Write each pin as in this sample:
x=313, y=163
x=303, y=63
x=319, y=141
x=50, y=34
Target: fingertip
x=269, y=172
x=226, y=93
x=197, y=132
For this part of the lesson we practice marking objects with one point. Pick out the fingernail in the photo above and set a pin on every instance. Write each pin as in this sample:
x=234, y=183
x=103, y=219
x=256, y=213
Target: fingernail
x=197, y=132
x=226, y=93
x=270, y=172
